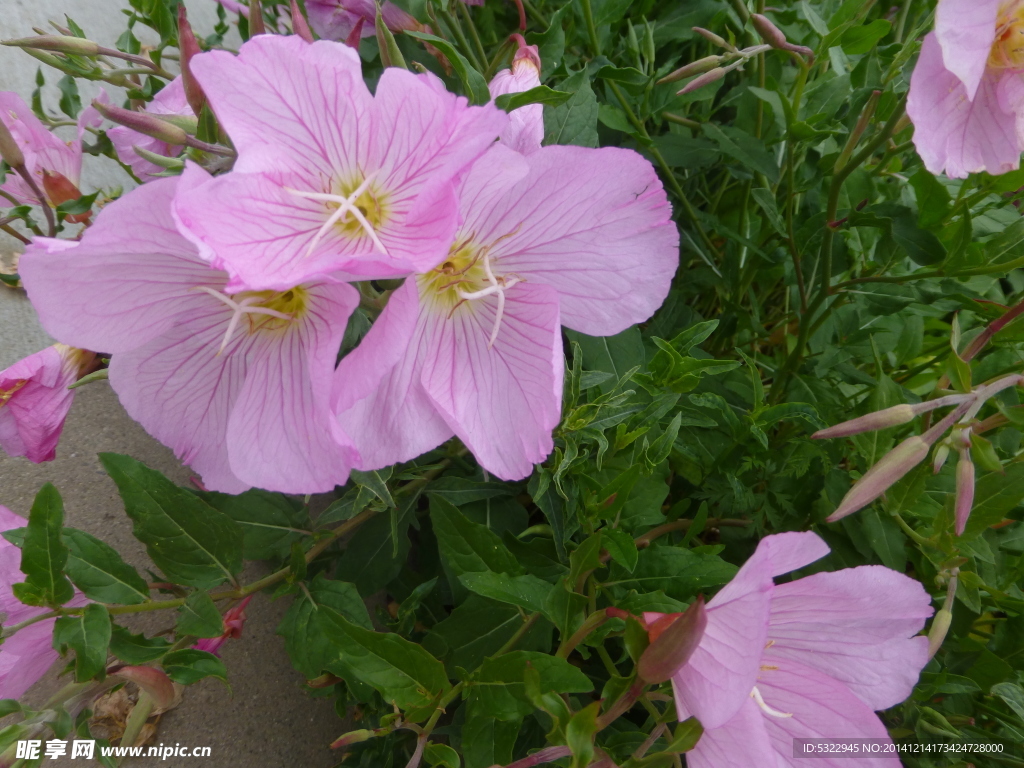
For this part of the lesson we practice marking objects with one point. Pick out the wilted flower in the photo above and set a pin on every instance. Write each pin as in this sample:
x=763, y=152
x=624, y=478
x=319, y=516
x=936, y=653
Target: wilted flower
x=336, y=19
x=966, y=92
x=329, y=179
x=565, y=235
x=28, y=653
x=35, y=400
x=525, y=130
x=237, y=384
x=169, y=101
x=807, y=659
x=234, y=620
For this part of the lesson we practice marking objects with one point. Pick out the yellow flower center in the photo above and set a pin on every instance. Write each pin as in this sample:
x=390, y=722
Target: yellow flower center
x=263, y=310
x=1008, y=49
x=7, y=394
x=357, y=208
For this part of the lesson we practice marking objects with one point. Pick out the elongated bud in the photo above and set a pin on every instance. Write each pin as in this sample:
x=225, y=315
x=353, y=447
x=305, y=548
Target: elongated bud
x=256, y=23
x=352, y=41
x=774, y=36
x=10, y=152
x=390, y=54
x=59, y=189
x=887, y=417
x=167, y=163
x=299, y=24
x=714, y=39
x=188, y=47
x=153, y=681
x=59, y=43
x=941, y=454
x=698, y=67
x=964, y=490
x=674, y=645
x=943, y=618
x=352, y=737
x=877, y=480
x=701, y=80
x=144, y=123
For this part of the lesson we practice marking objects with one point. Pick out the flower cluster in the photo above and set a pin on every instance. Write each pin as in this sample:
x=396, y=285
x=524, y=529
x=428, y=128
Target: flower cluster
x=223, y=298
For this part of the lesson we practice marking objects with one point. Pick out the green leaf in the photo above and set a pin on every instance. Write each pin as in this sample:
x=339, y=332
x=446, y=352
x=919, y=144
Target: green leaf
x=686, y=736
x=308, y=646
x=270, y=522
x=487, y=742
x=44, y=554
x=441, y=755
x=9, y=707
x=858, y=40
x=627, y=75
x=575, y=121
x=189, y=666
x=586, y=557
x=70, y=102
x=199, y=616
x=679, y=573
x=616, y=354
x=994, y=496
x=404, y=673
x=468, y=547
x=526, y=591
x=369, y=559
x=539, y=95
x=462, y=490
x=933, y=199
x=1013, y=695
x=88, y=635
x=766, y=200
x=886, y=538
x=472, y=81
x=136, y=649
x=621, y=547
x=98, y=570
x=190, y=541
x=497, y=688
x=374, y=482
x=579, y=734
x=749, y=151
x=899, y=221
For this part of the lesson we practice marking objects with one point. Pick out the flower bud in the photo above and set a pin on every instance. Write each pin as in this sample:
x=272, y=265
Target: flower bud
x=524, y=52
x=887, y=417
x=153, y=681
x=352, y=737
x=188, y=48
x=877, y=480
x=256, y=24
x=59, y=43
x=59, y=189
x=941, y=454
x=714, y=39
x=943, y=618
x=673, y=646
x=698, y=67
x=774, y=36
x=964, y=490
x=10, y=152
x=701, y=80
x=144, y=123
x=299, y=24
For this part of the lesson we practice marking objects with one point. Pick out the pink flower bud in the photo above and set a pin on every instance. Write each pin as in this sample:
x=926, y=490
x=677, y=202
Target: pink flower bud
x=256, y=24
x=299, y=24
x=701, y=80
x=714, y=39
x=698, y=67
x=352, y=737
x=59, y=43
x=524, y=52
x=877, y=480
x=153, y=681
x=887, y=417
x=964, y=490
x=774, y=37
x=672, y=646
x=144, y=123
x=188, y=47
x=10, y=152
x=59, y=189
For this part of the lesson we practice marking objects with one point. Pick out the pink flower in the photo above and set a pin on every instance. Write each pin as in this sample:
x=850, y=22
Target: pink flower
x=966, y=93
x=329, y=179
x=336, y=19
x=808, y=659
x=233, y=6
x=237, y=384
x=170, y=101
x=525, y=130
x=566, y=235
x=234, y=620
x=45, y=152
x=28, y=653
x=35, y=400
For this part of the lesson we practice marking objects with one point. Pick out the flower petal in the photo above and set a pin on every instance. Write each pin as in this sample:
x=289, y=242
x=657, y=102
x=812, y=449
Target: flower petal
x=378, y=397
x=25, y=657
x=170, y=101
x=502, y=401
x=280, y=434
x=32, y=419
x=43, y=149
x=857, y=625
x=955, y=134
x=741, y=743
x=525, y=130
x=134, y=258
x=966, y=30
x=594, y=224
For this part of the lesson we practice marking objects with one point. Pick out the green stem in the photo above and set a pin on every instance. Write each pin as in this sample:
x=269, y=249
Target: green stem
x=473, y=33
x=540, y=17
x=911, y=533
x=588, y=17
x=460, y=39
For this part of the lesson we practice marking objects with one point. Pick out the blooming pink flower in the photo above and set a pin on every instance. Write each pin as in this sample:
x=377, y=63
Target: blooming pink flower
x=336, y=19
x=525, y=130
x=238, y=385
x=46, y=154
x=170, y=101
x=566, y=235
x=329, y=179
x=967, y=93
x=809, y=659
x=28, y=653
x=35, y=400
x=234, y=620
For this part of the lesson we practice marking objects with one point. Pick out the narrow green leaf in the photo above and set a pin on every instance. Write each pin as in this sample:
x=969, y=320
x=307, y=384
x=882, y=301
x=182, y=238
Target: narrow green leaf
x=189, y=666
x=621, y=547
x=44, y=554
x=526, y=591
x=88, y=635
x=99, y=571
x=539, y=95
x=575, y=121
x=472, y=81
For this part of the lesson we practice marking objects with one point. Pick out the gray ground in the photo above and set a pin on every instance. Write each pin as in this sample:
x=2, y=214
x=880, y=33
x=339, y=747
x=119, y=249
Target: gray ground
x=265, y=720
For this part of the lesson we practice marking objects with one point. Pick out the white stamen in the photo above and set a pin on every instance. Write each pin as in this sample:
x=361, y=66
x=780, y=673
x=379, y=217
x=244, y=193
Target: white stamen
x=498, y=286
x=756, y=696
x=346, y=205
x=239, y=308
